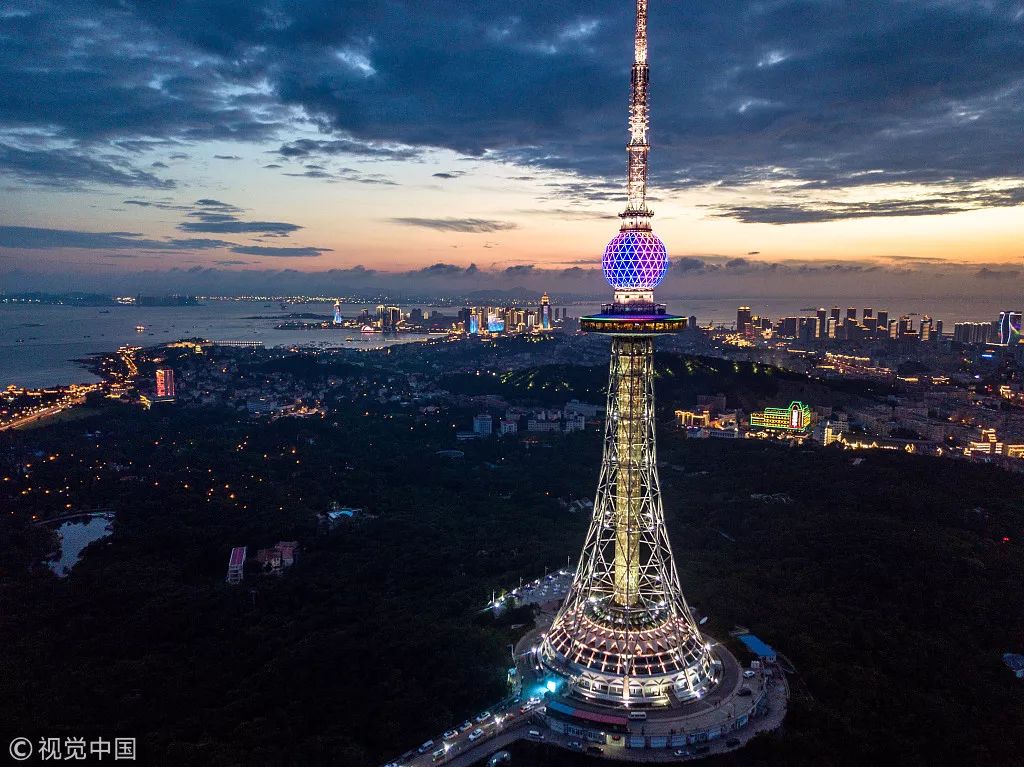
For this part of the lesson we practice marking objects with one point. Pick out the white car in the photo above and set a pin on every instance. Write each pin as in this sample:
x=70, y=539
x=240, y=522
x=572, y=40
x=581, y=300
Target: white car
x=477, y=733
x=467, y=725
x=533, y=701
x=748, y=674
x=451, y=734
x=483, y=717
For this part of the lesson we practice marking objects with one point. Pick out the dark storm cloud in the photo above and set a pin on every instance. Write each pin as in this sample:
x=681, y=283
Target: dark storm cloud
x=986, y=273
x=32, y=238
x=35, y=238
x=239, y=227
x=64, y=167
x=442, y=269
x=958, y=200
x=474, y=225
x=304, y=148
x=833, y=94
x=196, y=243
x=519, y=270
x=261, y=250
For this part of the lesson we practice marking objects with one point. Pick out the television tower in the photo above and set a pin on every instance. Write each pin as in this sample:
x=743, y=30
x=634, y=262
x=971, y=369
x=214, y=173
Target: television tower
x=625, y=635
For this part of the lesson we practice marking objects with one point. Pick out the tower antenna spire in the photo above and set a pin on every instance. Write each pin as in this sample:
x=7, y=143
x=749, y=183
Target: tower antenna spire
x=637, y=215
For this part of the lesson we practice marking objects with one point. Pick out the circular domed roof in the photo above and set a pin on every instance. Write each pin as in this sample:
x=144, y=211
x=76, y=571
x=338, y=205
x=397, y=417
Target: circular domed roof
x=635, y=259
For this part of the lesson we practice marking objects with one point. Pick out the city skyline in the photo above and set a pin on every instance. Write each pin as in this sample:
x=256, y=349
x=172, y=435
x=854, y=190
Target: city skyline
x=367, y=147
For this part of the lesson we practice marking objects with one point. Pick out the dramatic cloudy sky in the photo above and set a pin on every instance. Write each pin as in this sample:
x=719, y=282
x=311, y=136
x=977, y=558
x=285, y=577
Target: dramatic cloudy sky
x=223, y=145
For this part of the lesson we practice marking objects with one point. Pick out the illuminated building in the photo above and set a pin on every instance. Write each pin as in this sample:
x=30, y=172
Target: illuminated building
x=869, y=321
x=388, y=317
x=165, y=388
x=821, y=328
x=927, y=331
x=337, y=313
x=624, y=634
x=834, y=431
x=483, y=424
x=795, y=418
x=545, y=312
x=1009, y=328
x=744, y=320
x=236, y=565
x=851, y=315
x=882, y=323
x=495, y=323
x=690, y=419
x=972, y=332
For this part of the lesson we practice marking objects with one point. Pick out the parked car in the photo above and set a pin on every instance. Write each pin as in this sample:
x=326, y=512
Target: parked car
x=680, y=752
x=451, y=734
x=483, y=717
x=425, y=747
x=575, y=745
x=477, y=733
x=438, y=755
x=536, y=734
x=467, y=725
x=744, y=692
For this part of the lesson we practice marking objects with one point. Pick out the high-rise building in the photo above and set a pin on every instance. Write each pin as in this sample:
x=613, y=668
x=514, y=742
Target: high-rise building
x=545, y=312
x=821, y=328
x=835, y=314
x=1009, y=327
x=926, y=328
x=388, y=317
x=883, y=321
x=165, y=388
x=624, y=634
x=795, y=418
x=483, y=424
x=851, y=315
x=743, y=320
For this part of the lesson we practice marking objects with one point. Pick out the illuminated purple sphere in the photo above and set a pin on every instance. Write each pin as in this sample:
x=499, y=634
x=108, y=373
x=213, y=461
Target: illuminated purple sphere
x=635, y=260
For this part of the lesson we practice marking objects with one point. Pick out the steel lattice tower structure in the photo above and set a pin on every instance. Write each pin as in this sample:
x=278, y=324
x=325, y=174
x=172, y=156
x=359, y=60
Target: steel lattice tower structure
x=625, y=635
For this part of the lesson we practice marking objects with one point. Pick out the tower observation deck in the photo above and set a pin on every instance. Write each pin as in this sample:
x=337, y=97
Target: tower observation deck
x=625, y=634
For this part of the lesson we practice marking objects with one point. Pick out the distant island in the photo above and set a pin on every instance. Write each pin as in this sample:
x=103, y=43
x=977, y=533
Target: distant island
x=96, y=299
